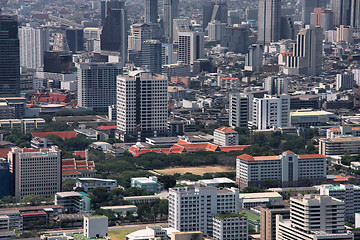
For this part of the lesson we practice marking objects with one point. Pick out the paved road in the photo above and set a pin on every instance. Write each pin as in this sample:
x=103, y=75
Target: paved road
x=112, y=228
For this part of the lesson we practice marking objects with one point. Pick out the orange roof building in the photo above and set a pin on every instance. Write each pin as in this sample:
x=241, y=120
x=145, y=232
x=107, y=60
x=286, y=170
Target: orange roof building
x=226, y=136
x=63, y=134
x=285, y=170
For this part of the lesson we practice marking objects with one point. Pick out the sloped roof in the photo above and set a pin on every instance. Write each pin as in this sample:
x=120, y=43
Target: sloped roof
x=226, y=130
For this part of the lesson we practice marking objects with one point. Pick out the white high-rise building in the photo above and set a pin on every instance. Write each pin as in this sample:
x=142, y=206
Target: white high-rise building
x=192, y=209
x=216, y=30
x=230, y=227
x=276, y=85
x=313, y=217
x=35, y=171
x=142, y=109
x=270, y=112
x=348, y=193
x=239, y=110
x=33, y=43
x=191, y=47
x=97, y=85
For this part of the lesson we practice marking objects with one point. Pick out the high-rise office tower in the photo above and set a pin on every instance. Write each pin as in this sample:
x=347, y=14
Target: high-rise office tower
x=254, y=58
x=150, y=56
x=171, y=11
x=269, y=21
x=114, y=33
x=180, y=25
x=313, y=217
x=192, y=209
x=33, y=43
x=191, y=47
x=214, y=11
x=355, y=13
x=35, y=171
x=9, y=57
x=236, y=39
x=308, y=7
x=276, y=85
x=151, y=11
x=75, y=39
x=307, y=55
x=97, y=85
x=239, y=110
x=342, y=11
x=287, y=28
x=139, y=32
x=323, y=18
x=110, y=4
x=142, y=109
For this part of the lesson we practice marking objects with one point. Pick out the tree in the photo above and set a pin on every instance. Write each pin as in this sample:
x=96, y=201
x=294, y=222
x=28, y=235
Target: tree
x=33, y=199
x=68, y=184
x=167, y=180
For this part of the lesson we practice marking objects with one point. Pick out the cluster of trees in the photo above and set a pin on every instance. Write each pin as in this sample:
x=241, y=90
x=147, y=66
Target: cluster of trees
x=195, y=177
x=347, y=159
x=21, y=140
x=79, y=142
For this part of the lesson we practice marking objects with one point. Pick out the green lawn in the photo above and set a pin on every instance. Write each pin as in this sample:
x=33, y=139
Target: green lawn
x=121, y=234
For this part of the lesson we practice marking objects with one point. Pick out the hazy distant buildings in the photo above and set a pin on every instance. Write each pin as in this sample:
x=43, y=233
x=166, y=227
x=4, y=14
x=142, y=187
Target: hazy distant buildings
x=254, y=58
x=171, y=11
x=97, y=85
x=9, y=57
x=33, y=43
x=151, y=11
x=236, y=39
x=276, y=85
x=308, y=7
x=141, y=106
x=214, y=11
x=110, y=4
x=323, y=18
x=180, y=25
x=342, y=11
x=345, y=81
x=150, y=56
x=269, y=21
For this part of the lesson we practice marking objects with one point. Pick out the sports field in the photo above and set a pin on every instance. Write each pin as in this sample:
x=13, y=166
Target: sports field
x=195, y=170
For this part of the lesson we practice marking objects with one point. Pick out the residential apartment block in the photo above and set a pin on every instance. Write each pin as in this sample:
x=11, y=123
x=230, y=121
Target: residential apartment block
x=286, y=170
x=192, y=209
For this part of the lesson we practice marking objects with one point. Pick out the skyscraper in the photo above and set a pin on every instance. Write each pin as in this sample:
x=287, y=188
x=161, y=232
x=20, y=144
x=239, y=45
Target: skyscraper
x=308, y=7
x=307, y=55
x=150, y=56
x=269, y=21
x=110, y=4
x=171, y=11
x=342, y=11
x=75, y=39
x=114, y=33
x=214, y=11
x=355, y=13
x=9, y=57
x=191, y=47
x=97, y=85
x=151, y=11
x=33, y=43
x=142, y=109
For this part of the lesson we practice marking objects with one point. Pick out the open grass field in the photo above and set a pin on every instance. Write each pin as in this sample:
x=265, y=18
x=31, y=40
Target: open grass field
x=195, y=170
x=121, y=234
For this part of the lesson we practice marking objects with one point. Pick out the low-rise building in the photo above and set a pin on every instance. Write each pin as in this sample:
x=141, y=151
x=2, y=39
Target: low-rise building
x=230, y=227
x=96, y=227
x=307, y=118
x=285, y=170
x=73, y=202
x=249, y=200
x=149, y=184
x=268, y=219
x=225, y=136
x=343, y=130
x=88, y=184
x=216, y=182
x=37, y=143
x=339, y=145
x=152, y=233
x=122, y=210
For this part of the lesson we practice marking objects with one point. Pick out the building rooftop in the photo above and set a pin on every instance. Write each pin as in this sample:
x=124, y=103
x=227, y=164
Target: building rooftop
x=309, y=113
x=63, y=134
x=69, y=194
x=97, y=179
x=259, y=195
x=250, y=158
x=225, y=130
x=230, y=215
x=339, y=139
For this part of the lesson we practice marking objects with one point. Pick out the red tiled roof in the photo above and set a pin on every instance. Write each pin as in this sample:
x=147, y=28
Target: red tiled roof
x=70, y=173
x=30, y=150
x=233, y=148
x=82, y=154
x=4, y=152
x=68, y=168
x=308, y=156
x=106, y=127
x=33, y=213
x=226, y=130
x=63, y=134
x=288, y=151
x=246, y=157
